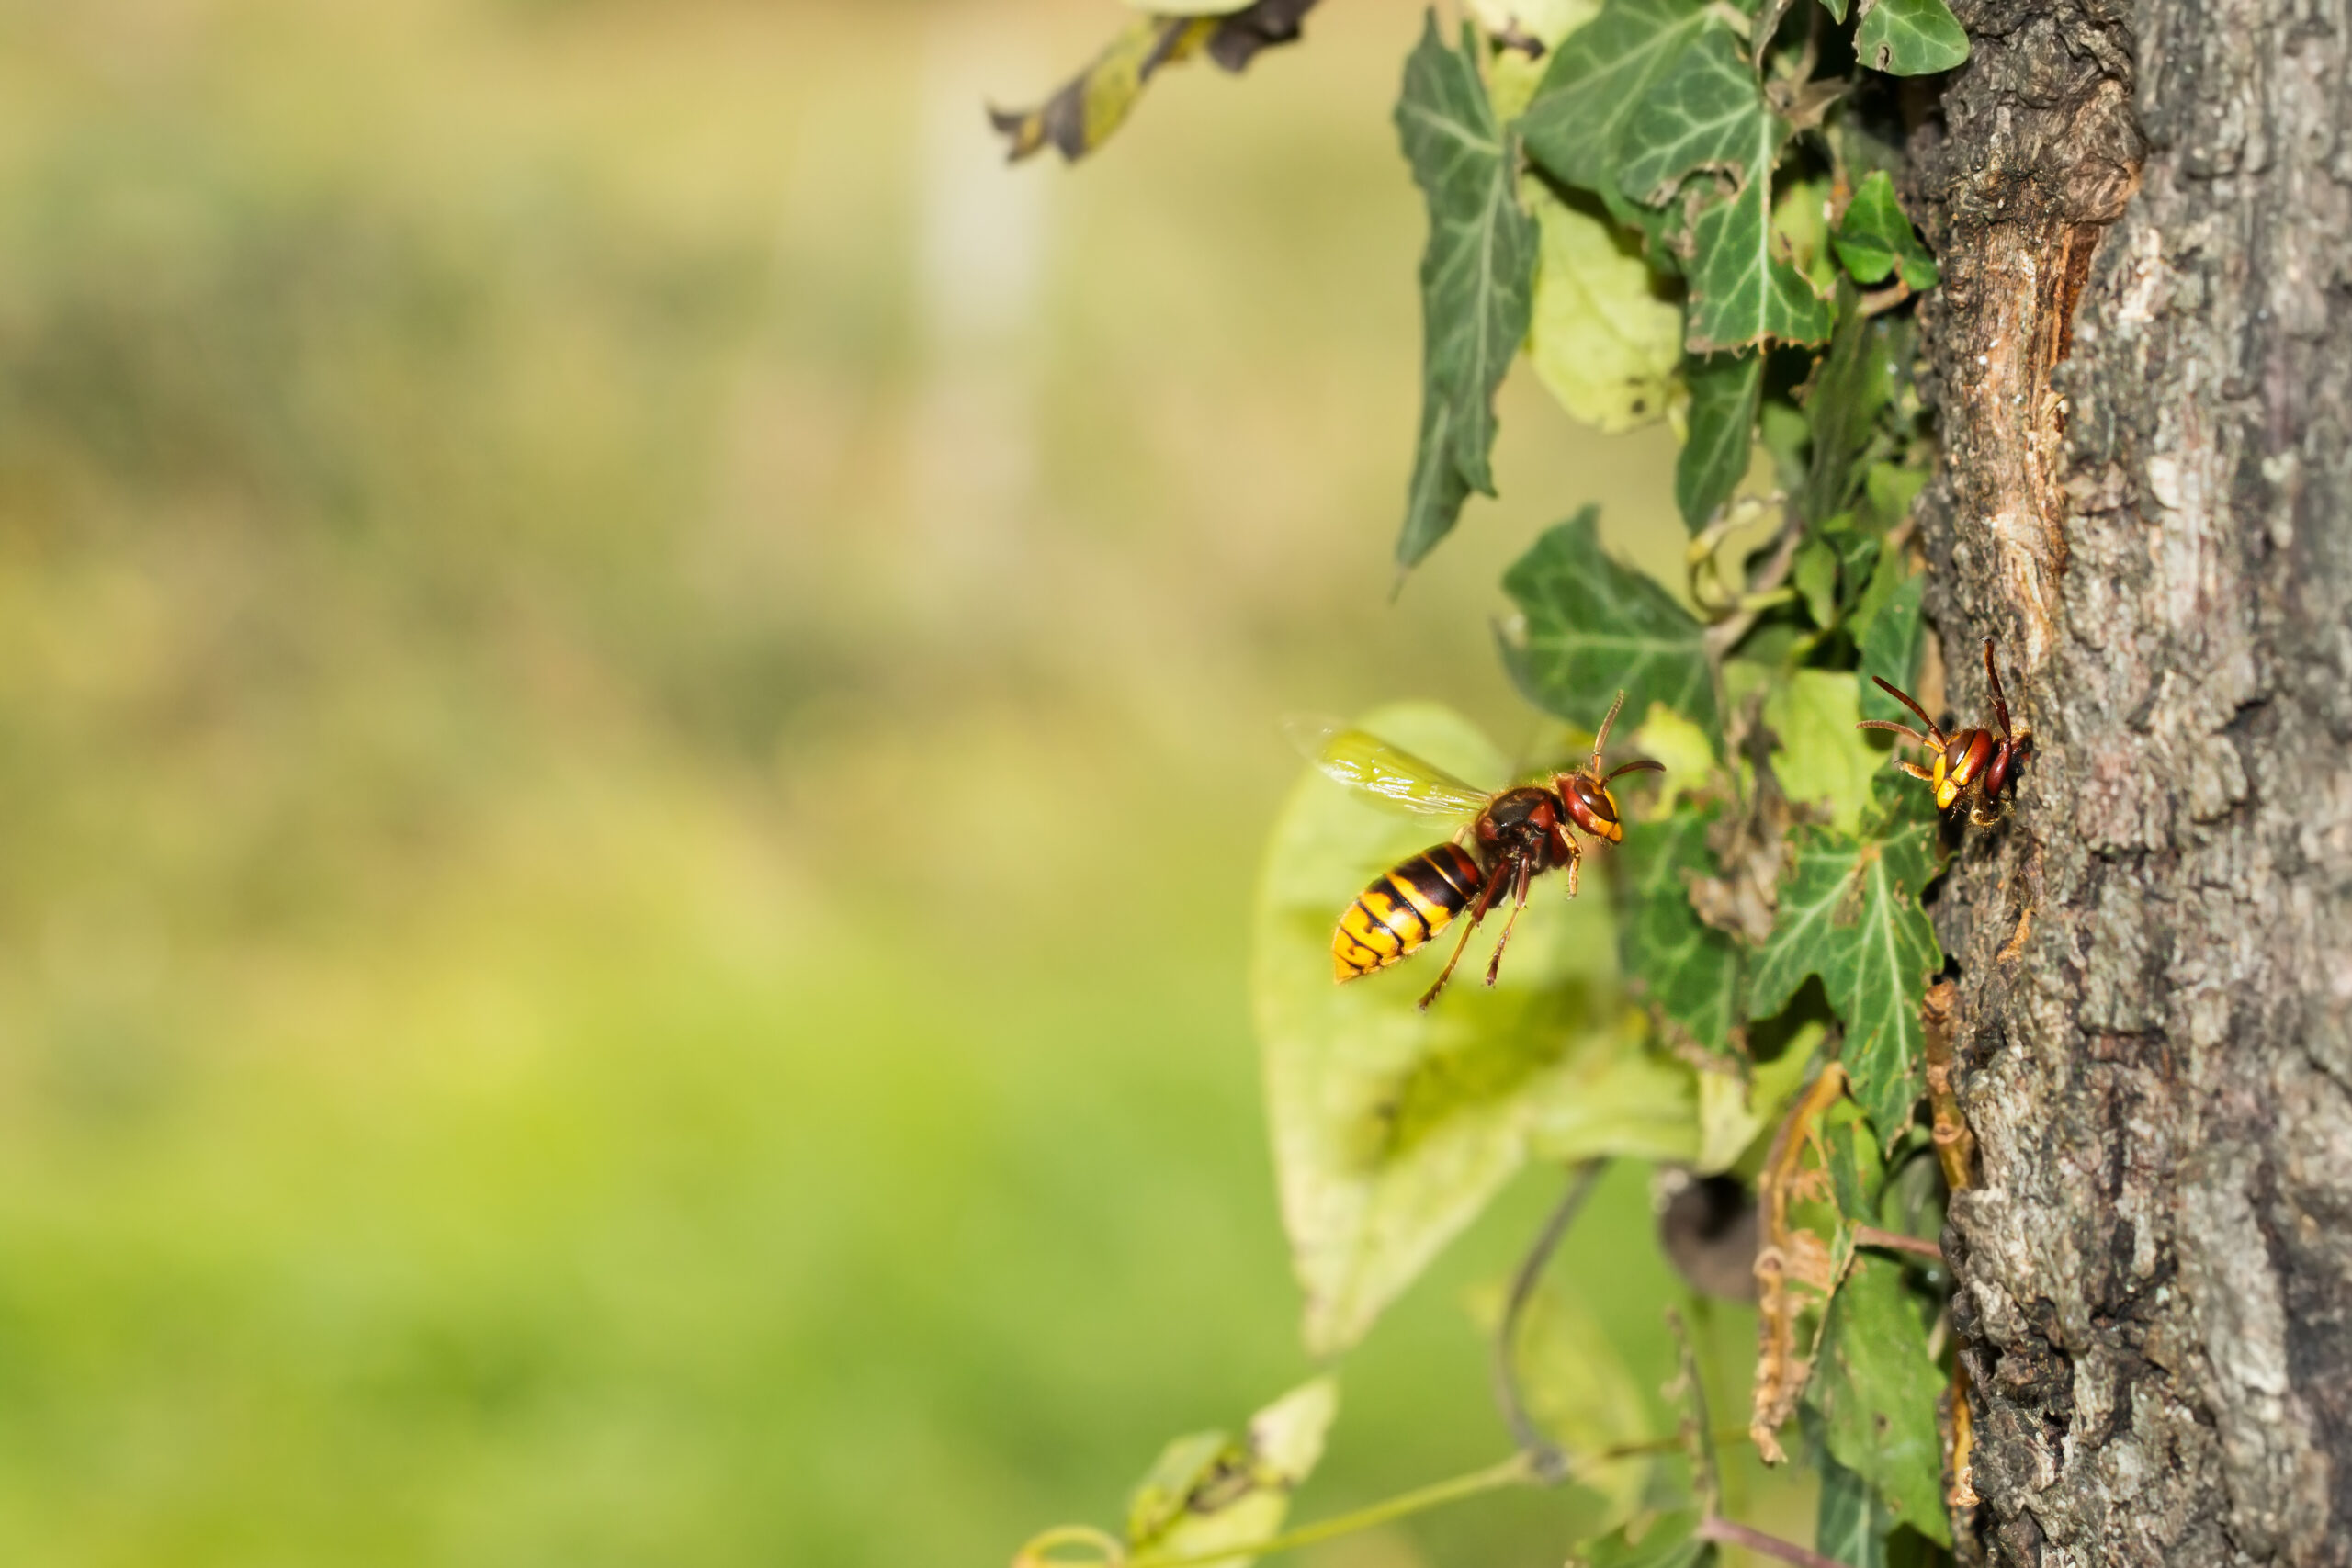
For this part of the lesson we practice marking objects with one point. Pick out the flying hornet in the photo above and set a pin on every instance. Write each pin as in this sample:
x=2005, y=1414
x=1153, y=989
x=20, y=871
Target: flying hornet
x=1511, y=838
x=1971, y=768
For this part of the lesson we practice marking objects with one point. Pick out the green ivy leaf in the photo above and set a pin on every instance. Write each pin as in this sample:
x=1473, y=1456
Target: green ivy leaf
x=1669, y=1542
x=1744, y=287
x=1890, y=640
x=1852, y=1524
x=1814, y=576
x=1875, y=1387
x=1603, y=340
x=1725, y=390
x=1208, y=1491
x=1821, y=758
x=1850, y=912
x=1876, y=240
x=1393, y=1127
x=1836, y=8
x=1476, y=278
x=1703, y=114
x=1593, y=626
x=1852, y=386
x=1690, y=976
x=1576, y=126
x=1910, y=37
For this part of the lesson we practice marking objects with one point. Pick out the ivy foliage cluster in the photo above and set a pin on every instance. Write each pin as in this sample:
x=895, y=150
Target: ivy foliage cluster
x=1684, y=211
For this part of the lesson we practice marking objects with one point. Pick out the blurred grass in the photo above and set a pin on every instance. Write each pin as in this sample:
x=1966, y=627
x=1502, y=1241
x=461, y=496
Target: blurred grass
x=636, y=701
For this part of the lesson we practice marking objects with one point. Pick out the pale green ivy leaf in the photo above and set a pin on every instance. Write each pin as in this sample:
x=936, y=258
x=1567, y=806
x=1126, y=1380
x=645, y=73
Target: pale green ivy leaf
x=1602, y=341
x=1822, y=759
x=1910, y=37
x=1393, y=1127
x=1208, y=1491
x=1593, y=626
x=1578, y=1387
x=1477, y=277
x=1850, y=912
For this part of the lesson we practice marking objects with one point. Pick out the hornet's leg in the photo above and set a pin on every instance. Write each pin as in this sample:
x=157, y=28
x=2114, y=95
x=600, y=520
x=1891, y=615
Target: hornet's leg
x=1519, y=896
x=1496, y=880
x=2000, y=703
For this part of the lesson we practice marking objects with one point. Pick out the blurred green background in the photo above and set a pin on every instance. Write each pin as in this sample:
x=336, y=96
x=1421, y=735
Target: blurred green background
x=638, y=695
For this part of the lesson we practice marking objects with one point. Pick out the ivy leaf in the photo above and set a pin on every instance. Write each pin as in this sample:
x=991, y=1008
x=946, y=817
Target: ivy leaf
x=1876, y=240
x=1890, y=640
x=1476, y=278
x=1393, y=1127
x=1851, y=1525
x=1875, y=1387
x=1603, y=340
x=1821, y=756
x=1576, y=126
x=1744, y=288
x=1702, y=115
x=1845, y=407
x=1593, y=626
x=1690, y=974
x=1850, y=912
x=1669, y=1542
x=1725, y=390
x=1910, y=37
x=1208, y=1491
x=1082, y=116
x=1836, y=8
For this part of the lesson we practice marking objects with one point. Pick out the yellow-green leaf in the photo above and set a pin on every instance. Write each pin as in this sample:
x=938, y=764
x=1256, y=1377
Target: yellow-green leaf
x=1208, y=1491
x=1822, y=759
x=1602, y=338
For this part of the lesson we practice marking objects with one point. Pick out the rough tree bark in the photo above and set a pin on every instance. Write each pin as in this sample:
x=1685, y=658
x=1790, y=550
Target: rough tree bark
x=2143, y=362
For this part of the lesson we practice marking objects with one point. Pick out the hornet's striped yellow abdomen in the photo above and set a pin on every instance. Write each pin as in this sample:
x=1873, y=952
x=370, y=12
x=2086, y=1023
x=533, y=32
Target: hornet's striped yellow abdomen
x=1394, y=916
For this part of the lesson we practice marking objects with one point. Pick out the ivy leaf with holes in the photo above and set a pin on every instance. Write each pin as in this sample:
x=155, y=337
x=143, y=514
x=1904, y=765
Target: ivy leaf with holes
x=1707, y=117
x=1082, y=116
x=1875, y=1387
x=1690, y=976
x=1593, y=626
x=1875, y=240
x=1477, y=275
x=1850, y=912
x=1910, y=37
x=1724, y=391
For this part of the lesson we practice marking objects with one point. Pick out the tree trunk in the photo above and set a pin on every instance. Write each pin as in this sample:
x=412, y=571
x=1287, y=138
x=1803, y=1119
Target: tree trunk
x=2142, y=357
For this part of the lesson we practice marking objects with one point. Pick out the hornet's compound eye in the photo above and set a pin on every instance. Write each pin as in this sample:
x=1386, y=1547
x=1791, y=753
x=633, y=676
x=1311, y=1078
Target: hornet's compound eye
x=1595, y=798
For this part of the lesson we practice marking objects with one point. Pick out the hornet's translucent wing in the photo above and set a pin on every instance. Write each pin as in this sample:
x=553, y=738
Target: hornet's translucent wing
x=1366, y=761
